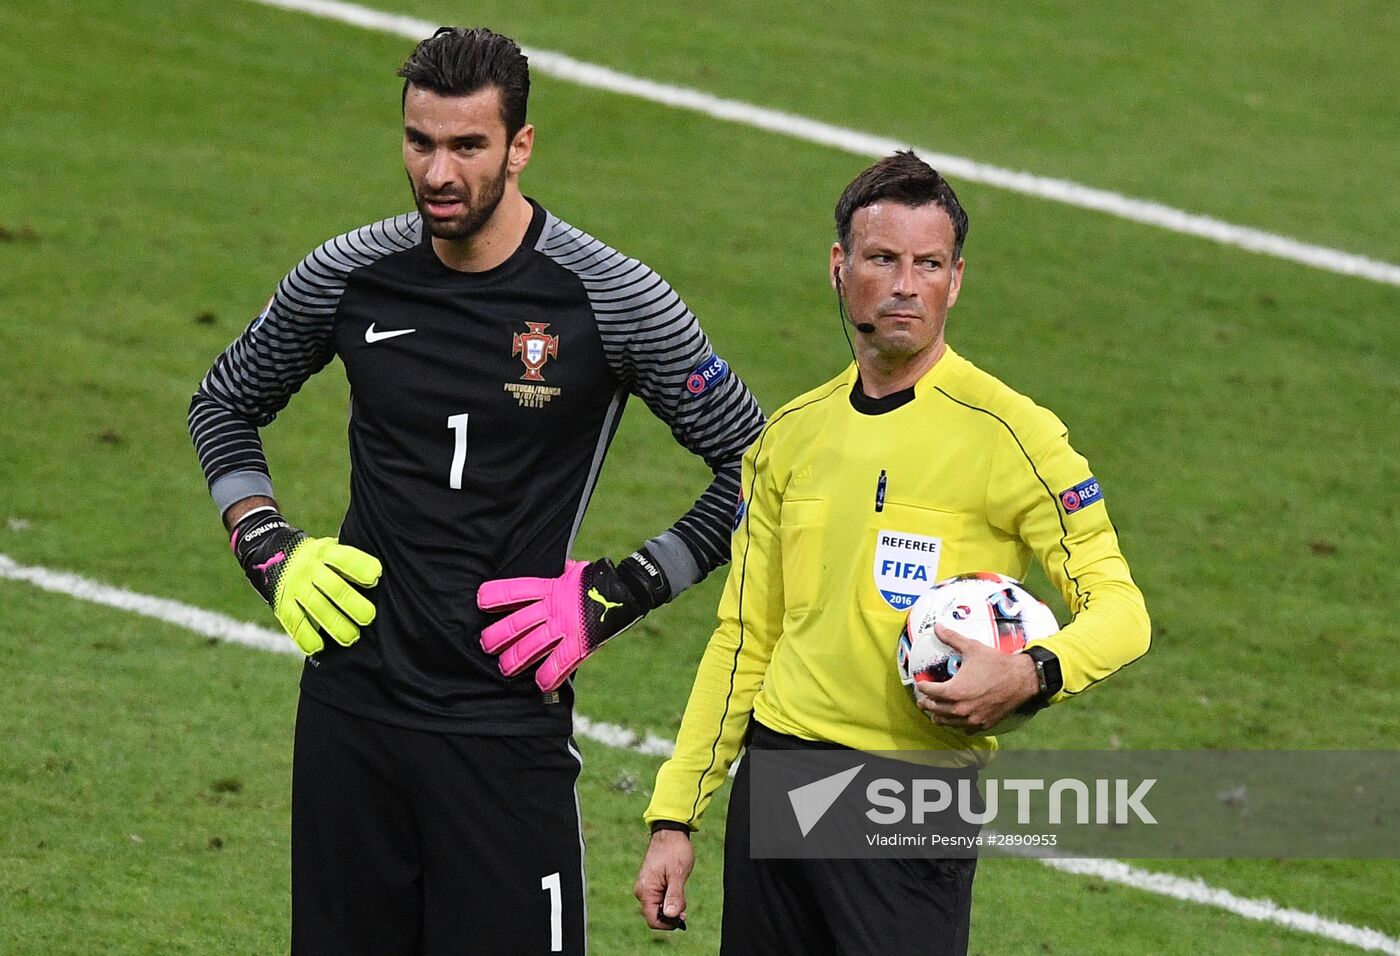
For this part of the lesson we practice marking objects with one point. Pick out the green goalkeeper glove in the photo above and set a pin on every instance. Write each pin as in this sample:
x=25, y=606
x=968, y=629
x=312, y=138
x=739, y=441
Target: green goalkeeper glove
x=308, y=582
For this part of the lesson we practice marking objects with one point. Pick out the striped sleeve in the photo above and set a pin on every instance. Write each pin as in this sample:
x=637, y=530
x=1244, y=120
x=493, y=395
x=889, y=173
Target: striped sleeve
x=289, y=342
x=656, y=348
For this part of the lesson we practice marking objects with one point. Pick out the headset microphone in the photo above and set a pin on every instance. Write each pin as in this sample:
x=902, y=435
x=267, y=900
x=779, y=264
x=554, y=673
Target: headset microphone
x=864, y=327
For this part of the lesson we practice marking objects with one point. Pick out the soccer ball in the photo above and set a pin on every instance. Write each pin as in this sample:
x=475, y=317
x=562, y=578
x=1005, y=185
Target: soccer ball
x=987, y=607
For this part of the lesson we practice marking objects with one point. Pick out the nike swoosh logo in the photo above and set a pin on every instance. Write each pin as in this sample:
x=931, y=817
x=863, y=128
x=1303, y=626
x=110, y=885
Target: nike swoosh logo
x=372, y=336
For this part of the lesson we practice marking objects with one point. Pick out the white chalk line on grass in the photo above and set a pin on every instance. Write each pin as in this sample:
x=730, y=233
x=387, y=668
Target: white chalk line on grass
x=570, y=70
x=223, y=628
x=1199, y=891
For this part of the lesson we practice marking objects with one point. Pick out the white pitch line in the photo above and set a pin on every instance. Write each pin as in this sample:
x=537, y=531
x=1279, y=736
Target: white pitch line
x=564, y=67
x=223, y=628
x=1199, y=891
x=198, y=620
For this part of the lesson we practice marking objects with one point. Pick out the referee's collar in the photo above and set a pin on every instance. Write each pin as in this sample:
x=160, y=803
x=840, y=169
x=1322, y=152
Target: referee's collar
x=866, y=405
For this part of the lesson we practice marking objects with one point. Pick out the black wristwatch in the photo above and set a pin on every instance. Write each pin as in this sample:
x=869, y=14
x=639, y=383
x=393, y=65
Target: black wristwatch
x=658, y=825
x=1047, y=674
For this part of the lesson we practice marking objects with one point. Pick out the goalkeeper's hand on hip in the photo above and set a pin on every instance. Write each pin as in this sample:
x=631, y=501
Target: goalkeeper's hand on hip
x=565, y=619
x=310, y=583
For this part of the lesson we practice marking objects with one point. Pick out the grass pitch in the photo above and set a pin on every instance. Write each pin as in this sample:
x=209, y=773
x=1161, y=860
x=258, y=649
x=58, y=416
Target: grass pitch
x=167, y=164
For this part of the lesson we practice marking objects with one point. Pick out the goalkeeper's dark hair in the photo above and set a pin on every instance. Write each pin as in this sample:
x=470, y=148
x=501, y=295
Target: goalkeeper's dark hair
x=903, y=178
x=457, y=61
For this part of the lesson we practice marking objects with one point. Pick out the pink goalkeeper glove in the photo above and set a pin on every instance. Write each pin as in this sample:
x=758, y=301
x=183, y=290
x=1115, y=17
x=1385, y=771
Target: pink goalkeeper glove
x=566, y=619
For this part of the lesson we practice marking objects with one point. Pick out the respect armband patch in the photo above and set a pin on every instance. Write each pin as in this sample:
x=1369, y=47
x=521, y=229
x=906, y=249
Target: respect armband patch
x=707, y=374
x=1081, y=495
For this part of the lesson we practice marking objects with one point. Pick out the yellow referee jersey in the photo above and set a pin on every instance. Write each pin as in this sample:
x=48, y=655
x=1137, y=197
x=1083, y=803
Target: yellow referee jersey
x=847, y=516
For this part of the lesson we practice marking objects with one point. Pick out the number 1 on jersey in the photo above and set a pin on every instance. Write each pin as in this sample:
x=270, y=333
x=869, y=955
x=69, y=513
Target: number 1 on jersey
x=550, y=884
x=458, y=424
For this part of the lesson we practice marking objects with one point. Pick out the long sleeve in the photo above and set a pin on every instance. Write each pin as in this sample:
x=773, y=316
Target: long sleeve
x=658, y=351
x=289, y=342
x=1044, y=494
x=732, y=669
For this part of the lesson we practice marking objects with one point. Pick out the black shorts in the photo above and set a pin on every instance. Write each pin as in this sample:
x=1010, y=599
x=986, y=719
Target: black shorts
x=857, y=907
x=412, y=843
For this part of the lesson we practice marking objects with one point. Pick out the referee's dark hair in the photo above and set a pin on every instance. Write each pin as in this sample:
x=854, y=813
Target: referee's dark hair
x=905, y=179
x=457, y=61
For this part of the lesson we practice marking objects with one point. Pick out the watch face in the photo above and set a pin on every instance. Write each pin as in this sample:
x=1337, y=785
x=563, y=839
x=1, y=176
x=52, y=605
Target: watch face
x=1047, y=667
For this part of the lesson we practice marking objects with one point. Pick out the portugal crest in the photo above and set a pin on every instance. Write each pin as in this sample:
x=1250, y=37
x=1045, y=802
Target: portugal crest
x=535, y=348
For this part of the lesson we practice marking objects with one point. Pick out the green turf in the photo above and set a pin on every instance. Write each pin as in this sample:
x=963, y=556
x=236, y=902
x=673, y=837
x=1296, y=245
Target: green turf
x=144, y=809
x=1275, y=115
x=165, y=165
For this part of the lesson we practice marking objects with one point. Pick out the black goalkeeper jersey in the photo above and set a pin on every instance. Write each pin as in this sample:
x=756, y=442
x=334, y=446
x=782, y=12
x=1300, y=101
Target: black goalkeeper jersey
x=482, y=405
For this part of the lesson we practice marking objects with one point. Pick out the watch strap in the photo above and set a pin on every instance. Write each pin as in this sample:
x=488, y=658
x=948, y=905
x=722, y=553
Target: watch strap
x=659, y=825
x=1048, y=673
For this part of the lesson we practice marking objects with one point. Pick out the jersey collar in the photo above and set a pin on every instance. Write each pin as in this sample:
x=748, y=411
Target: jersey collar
x=940, y=372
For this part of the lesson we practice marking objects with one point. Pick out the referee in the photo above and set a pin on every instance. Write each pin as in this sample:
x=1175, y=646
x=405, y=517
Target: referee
x=490, y=349
x=912, y=459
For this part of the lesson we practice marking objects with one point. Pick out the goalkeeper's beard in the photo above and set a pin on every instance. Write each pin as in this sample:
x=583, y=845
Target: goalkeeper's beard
x=478, y=211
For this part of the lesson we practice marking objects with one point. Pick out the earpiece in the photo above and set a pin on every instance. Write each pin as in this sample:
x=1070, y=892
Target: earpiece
x=863, y=327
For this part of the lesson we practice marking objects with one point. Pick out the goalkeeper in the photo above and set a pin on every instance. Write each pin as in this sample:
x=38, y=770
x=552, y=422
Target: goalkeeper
x=490, y=348
x=911, y=466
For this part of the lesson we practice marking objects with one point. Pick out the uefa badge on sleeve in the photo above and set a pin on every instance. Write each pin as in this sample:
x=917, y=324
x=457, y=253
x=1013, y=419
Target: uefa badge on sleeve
x=1081, y=496
x=707, y=374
